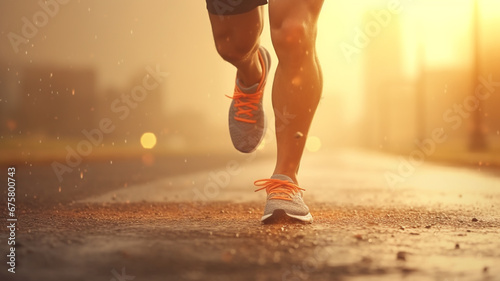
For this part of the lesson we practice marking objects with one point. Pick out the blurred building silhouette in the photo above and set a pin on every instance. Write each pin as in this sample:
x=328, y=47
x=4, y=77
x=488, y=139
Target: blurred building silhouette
x=389, y=109
x=399, y=110
x=175, y=130
x=8, y=90
x=134, y=117
x=490, y=65
x=442, y=91
x=56, y=101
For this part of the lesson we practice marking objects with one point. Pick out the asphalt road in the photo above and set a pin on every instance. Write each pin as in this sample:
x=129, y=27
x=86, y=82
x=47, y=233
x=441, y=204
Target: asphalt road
x=197, y=218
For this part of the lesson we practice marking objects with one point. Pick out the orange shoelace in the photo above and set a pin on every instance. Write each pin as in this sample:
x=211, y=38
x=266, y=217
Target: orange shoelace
x=278, y=187
x=247, y=103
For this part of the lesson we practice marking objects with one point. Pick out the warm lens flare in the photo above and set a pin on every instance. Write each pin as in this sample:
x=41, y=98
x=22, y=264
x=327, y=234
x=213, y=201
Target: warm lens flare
x=313, y=144
x=148, y=140
x=262, y=145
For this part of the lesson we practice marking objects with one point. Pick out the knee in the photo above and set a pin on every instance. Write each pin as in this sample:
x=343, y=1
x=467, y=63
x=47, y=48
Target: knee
x=293, y=39
x=233, y=48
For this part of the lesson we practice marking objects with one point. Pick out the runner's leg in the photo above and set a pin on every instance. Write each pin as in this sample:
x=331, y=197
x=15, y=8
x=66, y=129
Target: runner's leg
x=298, y=80
x=237, y=39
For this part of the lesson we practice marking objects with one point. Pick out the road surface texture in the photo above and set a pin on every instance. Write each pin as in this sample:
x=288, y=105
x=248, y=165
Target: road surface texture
x=376, y=217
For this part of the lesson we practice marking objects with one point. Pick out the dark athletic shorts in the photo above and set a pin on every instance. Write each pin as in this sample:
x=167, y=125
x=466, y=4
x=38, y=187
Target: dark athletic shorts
x=233, y=7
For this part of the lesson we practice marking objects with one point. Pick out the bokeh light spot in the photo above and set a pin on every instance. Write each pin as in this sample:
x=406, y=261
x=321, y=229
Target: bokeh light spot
x=148, y=140
x=262, y=145
x=313, y=144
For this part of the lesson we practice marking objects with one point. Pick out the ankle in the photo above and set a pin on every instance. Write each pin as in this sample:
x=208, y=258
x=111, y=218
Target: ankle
x=291, y=175
x=251, y=73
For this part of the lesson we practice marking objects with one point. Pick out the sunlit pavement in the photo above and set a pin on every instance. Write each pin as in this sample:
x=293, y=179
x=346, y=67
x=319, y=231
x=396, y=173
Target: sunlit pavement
x=376, y=218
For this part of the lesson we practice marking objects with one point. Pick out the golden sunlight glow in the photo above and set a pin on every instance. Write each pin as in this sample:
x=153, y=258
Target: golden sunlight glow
x=422, y=36
x=148, y=140
x=262, y=145
x=313, y=144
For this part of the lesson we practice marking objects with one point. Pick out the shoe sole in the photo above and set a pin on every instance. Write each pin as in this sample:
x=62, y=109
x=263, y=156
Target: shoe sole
x=281, y=216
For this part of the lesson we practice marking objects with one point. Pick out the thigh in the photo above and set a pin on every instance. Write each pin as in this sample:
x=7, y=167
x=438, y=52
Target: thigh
x=232, y=7
x=239, y=29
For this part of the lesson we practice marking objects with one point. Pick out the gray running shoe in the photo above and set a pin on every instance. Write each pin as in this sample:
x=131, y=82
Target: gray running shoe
x=284, y=199
x=247, y=123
